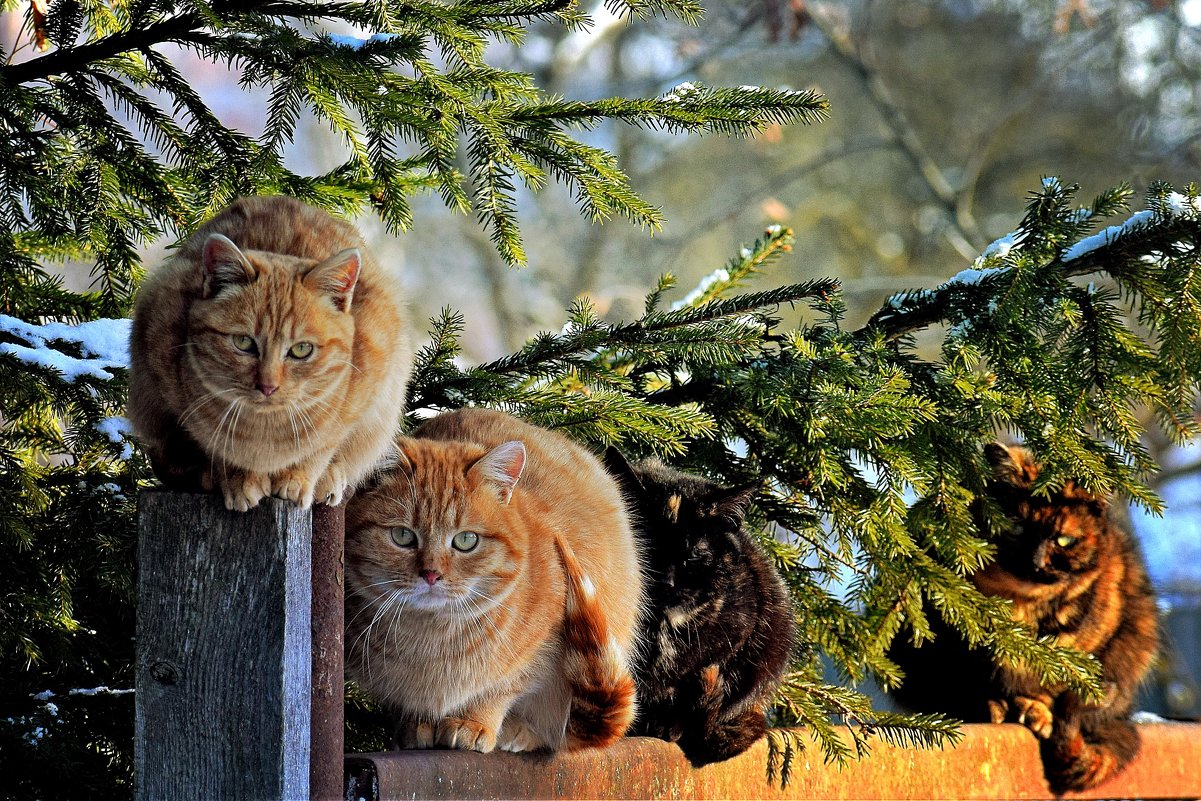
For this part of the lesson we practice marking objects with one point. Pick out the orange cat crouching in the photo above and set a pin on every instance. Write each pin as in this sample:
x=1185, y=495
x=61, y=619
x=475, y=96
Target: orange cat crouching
x=493, y=590
x=269, y=356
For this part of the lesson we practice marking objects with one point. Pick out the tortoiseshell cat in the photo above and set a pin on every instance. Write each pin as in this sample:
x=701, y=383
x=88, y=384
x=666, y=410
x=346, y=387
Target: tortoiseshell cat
x=269, y=356
x=493, y=589
x=1074, y=574
x=720, y=627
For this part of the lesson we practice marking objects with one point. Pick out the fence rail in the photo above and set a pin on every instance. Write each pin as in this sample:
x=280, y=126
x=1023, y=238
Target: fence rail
x=991, y=762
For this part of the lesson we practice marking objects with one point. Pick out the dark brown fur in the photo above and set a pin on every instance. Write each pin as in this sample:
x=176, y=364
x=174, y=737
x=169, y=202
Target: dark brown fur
x=1072, y=574
x=719, y=630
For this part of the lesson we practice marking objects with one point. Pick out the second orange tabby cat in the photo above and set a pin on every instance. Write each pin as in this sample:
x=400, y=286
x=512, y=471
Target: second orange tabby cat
x=493, y=590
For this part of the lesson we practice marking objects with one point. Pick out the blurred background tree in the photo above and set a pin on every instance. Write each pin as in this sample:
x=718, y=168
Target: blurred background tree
x=945, y=114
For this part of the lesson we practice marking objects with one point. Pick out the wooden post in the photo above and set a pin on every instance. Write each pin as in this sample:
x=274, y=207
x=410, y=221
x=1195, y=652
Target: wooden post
x=328, y=740
x=223, y=650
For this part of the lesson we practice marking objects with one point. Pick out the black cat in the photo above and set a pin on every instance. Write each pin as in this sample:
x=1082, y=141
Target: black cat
x=719, y=629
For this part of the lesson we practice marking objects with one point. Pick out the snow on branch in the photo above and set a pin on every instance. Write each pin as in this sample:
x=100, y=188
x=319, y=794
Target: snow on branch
x=104, y=345
x=1153, y=230
x=1107, y=237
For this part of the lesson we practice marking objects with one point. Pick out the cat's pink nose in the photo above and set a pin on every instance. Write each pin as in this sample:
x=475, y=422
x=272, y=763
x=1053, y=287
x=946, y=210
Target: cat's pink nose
x=431, y=576
x=267, y=389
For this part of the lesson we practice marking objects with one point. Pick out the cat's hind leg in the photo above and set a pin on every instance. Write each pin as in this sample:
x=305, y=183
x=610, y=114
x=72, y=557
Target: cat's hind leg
x=412, y=733
x=516, y=736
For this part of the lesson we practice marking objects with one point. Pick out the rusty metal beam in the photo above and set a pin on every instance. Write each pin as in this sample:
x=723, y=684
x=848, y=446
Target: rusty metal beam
x=992, y=762
x=328, y=741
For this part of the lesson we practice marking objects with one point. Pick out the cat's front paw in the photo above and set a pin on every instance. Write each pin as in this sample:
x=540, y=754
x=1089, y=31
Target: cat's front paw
x=465, y=735
x=295, y=485
x=1035, y=714
x=332, y=486
x=243, y=491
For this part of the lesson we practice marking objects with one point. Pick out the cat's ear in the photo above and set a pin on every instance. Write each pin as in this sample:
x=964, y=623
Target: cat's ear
x=500, y=468
x=619, y=467
x=336, y=277
x=732, y=502
x=1011, y=464
x=224, y=265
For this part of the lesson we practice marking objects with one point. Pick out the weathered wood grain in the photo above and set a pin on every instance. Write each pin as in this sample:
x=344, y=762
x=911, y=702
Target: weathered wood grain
x=223, y=651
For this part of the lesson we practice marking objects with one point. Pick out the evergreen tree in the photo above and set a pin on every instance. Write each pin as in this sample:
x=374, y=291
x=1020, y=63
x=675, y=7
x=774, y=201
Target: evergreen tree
x=106, y=148
x=869, y=450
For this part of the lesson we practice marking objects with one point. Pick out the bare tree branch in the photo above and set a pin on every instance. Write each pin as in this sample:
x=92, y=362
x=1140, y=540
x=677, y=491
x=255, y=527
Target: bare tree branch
x=968, y=239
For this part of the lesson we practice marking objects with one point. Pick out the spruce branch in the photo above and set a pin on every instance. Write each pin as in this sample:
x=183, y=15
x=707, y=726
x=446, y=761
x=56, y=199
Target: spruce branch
x=1148, y=234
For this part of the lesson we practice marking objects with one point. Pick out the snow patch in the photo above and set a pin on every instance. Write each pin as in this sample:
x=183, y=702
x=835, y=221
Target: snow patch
x=104, y=343
x=119, y=431
x=1097, y=241
x=973, y=275
x=679, y=92
x=1001, y=247
x=899, y=300
x=101, y=690
x=718, y=276
x=1147, y=717
x=1181, y=205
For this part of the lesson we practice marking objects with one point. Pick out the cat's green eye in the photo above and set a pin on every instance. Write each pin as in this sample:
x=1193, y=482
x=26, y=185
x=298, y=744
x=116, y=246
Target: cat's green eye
x=301, y=350
x=403, y=537
x=245, y=343
x=1065, y=541
x=465, y=541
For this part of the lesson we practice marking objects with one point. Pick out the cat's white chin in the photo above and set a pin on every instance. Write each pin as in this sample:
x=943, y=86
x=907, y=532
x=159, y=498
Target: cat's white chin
x=430, y=598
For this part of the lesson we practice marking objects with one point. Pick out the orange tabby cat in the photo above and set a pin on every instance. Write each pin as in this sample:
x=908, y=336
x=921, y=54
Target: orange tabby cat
x=269, y=356
x=493, y=589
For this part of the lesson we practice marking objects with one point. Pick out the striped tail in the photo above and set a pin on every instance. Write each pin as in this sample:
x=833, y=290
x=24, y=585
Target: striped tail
x=594, y=664
x=1082, y=754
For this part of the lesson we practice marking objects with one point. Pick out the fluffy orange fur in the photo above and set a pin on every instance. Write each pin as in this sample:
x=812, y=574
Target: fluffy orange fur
x=493, y=589
x=269, y=356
